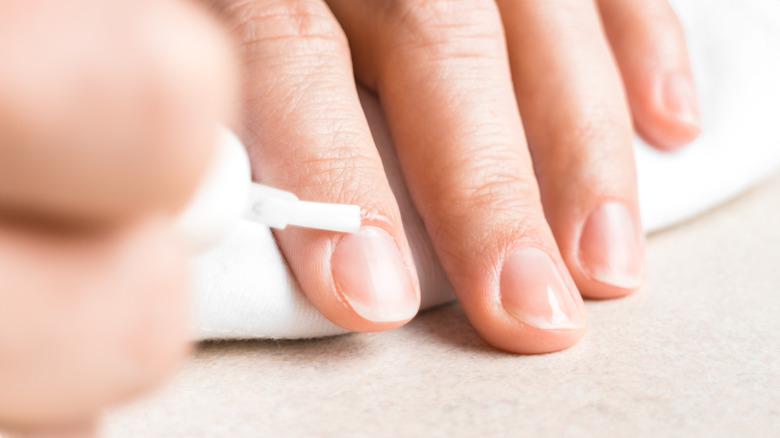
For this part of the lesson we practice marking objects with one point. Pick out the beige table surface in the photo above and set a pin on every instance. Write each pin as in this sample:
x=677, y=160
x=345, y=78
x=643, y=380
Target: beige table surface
x=696, y=352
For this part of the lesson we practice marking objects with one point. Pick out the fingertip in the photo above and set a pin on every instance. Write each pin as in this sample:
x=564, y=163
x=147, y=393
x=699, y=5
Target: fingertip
x=535, y=308
x=666, y=111
x=505, y=332
x=603, y=291
x=533, y=340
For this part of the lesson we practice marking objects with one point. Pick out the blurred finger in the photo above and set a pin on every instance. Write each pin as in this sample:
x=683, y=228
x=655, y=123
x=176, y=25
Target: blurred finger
x=87, y=320
x=108, y=109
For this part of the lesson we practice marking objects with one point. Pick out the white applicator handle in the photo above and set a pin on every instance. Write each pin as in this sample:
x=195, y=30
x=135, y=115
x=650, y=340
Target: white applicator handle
x=227, y=193
x=277, y=208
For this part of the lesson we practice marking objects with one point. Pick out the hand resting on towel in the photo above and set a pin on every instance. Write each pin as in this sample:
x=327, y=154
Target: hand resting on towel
x=512, y=122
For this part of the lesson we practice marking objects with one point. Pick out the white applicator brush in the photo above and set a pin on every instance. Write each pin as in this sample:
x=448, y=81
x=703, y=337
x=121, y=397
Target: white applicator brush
x=227, y=193
x=277, y=208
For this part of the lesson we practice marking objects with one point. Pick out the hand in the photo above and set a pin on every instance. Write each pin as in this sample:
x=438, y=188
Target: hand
x=107, y=121
x=513, y=233
x=519, y=213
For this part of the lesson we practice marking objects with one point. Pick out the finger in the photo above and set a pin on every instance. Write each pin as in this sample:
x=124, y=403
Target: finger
x=108, y=109
x=579, y=131
x=649, y=46
x=442, y=75
x=306, y=133
x=87, y=320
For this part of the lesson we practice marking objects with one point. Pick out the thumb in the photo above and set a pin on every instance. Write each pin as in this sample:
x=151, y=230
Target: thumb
x=108, y=109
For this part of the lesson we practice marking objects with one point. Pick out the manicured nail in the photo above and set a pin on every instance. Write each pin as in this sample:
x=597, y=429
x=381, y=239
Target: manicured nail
x=680, y=101
x=370, y=272
x=610, y=248
x=533, y=291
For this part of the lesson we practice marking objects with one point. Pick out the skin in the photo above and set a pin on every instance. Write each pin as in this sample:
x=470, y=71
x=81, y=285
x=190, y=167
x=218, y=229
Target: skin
x=95, y=160
x=527, y=109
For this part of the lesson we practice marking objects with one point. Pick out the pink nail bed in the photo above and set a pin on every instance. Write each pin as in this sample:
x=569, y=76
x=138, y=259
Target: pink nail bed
x=533, y=291
x=610, y=249
x=370, y=272
x=679, y=99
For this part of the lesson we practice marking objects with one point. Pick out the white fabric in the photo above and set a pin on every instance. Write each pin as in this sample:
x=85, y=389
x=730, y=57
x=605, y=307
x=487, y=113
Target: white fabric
x=245, y=290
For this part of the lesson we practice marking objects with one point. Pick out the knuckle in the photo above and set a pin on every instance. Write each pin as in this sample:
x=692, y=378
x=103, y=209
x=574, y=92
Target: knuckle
x=349, y=173
x=452, y=27
x=598, y=125
x=305, y=23
x=494, y=193
x=494, y=202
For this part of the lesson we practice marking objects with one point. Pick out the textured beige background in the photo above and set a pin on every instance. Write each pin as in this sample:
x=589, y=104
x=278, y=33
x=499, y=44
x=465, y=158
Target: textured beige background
x=695, y=353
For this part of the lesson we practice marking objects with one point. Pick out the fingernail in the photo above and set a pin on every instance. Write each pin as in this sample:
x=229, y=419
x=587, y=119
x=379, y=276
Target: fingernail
x=370, y=272
x=533, y=291
x=610, y=248
x=679, y=99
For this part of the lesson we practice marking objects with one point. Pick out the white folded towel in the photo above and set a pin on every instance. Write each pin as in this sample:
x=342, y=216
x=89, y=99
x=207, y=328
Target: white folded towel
x=245, y=290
